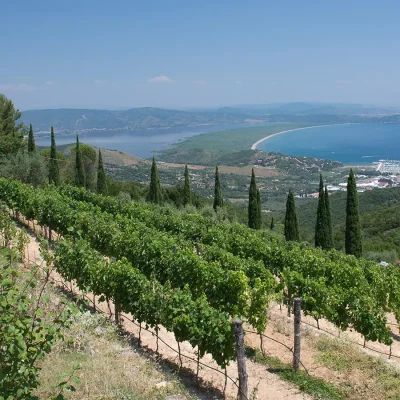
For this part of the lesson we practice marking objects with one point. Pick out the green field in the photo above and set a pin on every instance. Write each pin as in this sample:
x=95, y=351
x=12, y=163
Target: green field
x=212, y=145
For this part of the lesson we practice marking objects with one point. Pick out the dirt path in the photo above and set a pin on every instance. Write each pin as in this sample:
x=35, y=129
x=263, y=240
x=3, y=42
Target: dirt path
x=263, y=384
x=280, y=327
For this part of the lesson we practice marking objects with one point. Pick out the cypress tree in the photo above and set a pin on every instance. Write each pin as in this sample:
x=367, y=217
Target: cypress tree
x=329, y=240
x=321, y=226
x=54, y=172
x=321, y=183
x=187, y=190
x=259, y=212
x=272, y=226
x=218, y=200
x=353, y=244
x=154, y=195
x=291, y=222
x=101, y=177
x=253, y=203
x=31, y=140
x=79, y=170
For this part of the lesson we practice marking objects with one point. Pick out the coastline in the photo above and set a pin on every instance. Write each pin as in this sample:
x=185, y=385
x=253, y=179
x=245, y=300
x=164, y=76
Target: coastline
x=254, y=145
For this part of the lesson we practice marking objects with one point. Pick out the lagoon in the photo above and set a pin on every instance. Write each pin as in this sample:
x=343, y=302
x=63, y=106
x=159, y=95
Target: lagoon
x=351, y=144
x=141, y=143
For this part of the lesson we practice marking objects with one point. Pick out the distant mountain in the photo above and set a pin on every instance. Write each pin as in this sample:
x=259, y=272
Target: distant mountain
x=69, y=120
x=308, y=108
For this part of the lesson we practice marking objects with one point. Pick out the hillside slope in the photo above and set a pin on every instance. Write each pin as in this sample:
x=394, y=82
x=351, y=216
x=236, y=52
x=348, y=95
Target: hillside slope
x=70, y=119
x=67, y=120
x=380, y=217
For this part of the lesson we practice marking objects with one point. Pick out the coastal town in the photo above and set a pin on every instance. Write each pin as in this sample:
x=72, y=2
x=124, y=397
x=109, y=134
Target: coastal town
x=389, y=177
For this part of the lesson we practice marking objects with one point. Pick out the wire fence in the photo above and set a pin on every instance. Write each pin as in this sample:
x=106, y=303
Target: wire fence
x=155, y=333
x=70, y=290
x=365, y=346
x=390, y=354
x=282, y=344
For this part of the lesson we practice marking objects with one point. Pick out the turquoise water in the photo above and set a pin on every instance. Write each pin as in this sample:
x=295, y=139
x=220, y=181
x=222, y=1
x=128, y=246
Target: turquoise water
x=349, y=144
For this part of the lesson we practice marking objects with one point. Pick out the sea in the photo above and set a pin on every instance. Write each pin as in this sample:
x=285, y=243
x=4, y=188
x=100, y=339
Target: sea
x=351, y=144
x=141, y=143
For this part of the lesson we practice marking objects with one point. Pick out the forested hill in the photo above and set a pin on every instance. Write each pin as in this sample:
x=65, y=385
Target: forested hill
x=67, y=120
x=136, y=118
x=380, y=222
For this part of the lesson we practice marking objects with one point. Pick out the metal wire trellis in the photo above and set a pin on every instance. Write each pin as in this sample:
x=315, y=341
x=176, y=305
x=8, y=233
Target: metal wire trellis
x=283, y=344
x=97, y=309
x=198, y=361
x=390, y=354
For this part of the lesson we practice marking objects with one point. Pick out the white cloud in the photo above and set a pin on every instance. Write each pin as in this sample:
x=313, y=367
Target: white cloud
x=199, y=83
x=49, y=83
x=239, y=82
x=20, y=87
x=344, y=82
x=98, y=81
x=160, y=79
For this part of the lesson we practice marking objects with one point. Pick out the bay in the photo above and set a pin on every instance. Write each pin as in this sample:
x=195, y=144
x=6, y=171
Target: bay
x=351, y=144
x=141, y=143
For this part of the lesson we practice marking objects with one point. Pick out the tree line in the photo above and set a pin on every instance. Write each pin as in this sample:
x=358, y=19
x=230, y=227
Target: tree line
x=87, y=170
x=20, y=158
x=323, y=226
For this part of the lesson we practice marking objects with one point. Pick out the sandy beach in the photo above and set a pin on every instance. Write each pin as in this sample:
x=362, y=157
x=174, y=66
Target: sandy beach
x=254, y=146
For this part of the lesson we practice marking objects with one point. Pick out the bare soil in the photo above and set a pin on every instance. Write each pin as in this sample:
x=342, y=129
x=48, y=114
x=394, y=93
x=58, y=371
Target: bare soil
x=262, y=383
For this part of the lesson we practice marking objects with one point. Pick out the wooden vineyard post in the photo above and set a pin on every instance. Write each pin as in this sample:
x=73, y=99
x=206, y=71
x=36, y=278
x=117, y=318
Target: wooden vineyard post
x=241, y=359
x=116, y=305
x=116, y=309
x=297, y=337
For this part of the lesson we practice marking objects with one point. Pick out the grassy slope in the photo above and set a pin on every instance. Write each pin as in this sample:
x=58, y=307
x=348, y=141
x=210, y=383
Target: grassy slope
x=115, y=157
x=361, y=375
x=206, y=148
x=94, y=343
x=111, y=368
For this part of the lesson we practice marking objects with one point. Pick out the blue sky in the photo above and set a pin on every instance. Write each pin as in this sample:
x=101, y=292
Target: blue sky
x=180, y=54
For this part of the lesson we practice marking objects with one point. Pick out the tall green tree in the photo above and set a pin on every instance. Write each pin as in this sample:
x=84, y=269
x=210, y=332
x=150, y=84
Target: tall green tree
x=54, y=171
x=89, y=159
x=101, y=177
x=321, y=183
x=154, y=195
x=79, y=170
x=259, y=211
x=272, y=226
x=353, y=244
x=329, y=242
x=321, y=226
x=31, y=140
x=11, y=132
x=29, y=168
x=218, y=200
x=187, y=190
x=253, y=203
x=291, y=222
